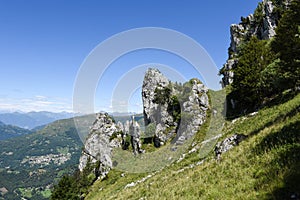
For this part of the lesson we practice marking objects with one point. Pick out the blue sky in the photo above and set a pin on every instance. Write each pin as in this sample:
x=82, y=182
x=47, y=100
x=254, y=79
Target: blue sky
x=43, y=44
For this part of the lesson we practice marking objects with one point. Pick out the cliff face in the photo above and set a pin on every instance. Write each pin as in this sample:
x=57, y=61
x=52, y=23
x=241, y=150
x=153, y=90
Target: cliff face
x=175, y=111
x=261, y=24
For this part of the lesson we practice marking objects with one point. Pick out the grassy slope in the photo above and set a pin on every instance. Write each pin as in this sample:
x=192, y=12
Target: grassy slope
x=10, y=131
x=265, y=166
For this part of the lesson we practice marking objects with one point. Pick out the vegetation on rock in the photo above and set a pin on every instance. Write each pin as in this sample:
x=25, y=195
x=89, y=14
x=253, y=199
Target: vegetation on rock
x=266, y=68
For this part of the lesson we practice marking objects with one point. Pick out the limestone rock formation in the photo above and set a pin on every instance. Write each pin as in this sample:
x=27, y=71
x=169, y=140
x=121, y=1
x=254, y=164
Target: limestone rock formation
x=176, y=111
x=156, y=108
x=261, y=24
x=171, y=112
x=135, y=134
x=152, y=111
x=193, y=111
x=103, y=137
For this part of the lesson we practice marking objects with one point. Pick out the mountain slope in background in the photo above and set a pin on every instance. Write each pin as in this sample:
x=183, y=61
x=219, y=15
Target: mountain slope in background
x=10, y=131
x=30, y=164
x=31, y=120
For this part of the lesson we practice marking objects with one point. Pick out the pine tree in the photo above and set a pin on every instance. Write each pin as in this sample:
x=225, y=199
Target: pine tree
x=65, y=190
x=255, y=55
x=286, y=45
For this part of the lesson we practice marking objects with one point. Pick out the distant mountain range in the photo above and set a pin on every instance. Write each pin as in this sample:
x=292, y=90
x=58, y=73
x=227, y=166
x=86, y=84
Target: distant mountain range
x=31, y=120
x=13, y=124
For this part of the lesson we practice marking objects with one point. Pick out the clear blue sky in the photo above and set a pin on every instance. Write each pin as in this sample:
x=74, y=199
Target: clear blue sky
x=44, y=42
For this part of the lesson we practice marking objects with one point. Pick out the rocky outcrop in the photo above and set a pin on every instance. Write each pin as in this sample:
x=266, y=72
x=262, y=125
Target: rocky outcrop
x=155, y=112
x=227, y=72
x=193, y=113
x=103, y=137
x=171, y=111
x=261, y=24
x=176, y=111
x=135, y=134
x=267, y=30
x=155, y=107
x=228, y=144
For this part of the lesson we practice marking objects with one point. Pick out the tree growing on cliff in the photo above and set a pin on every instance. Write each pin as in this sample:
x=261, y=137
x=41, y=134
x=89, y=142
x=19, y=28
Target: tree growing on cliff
x=255, y=55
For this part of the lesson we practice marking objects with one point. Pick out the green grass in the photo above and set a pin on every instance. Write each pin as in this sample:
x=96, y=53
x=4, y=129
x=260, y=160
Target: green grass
x=28, y=193
x=63, y=150
x=46, y=193
x=25, y=192
x=264, y=166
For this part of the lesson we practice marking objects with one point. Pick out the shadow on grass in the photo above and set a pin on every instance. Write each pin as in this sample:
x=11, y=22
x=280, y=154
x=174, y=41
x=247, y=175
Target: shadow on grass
x=239, y=111
x=291, y=187
x=287, y=135
x=279, y=118
x=285, y=144
x=281, y=98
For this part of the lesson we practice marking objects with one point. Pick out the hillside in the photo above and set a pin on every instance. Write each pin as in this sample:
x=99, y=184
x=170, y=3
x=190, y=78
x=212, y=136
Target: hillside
x=30, y=164
x=264, y=166
x=10, y=131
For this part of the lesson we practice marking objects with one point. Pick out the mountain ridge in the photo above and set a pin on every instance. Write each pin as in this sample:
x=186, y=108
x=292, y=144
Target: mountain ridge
x=33, y=119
